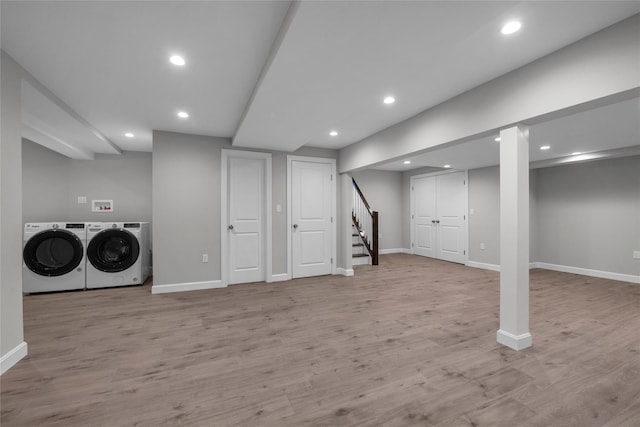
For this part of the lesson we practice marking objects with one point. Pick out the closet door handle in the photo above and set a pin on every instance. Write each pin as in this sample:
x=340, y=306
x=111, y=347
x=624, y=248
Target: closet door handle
x=230, y=227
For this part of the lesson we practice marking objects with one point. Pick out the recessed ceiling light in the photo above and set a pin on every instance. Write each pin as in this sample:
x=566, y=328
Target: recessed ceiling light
x=497, y=139
x=177, y=60
x=333, y=133
x=407, y=162
x=446, y=166
x=545, y=147
x=576, y=153
x=129, y=135
x=389, y=100
x=183, y=114
x=511, y=27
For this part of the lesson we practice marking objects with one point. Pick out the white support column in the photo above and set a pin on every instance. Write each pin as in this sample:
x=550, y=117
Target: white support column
x=514, y=238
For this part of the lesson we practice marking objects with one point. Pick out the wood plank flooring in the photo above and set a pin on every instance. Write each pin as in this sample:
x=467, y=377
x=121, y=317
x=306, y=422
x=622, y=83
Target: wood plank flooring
x=411, y=342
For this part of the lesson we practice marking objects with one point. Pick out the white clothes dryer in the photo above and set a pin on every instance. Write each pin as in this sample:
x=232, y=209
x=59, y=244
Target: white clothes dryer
x=53, y=256
x=118, y=254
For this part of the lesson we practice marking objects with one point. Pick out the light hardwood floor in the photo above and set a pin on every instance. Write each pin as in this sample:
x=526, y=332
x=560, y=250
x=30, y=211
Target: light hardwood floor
x=411, y=342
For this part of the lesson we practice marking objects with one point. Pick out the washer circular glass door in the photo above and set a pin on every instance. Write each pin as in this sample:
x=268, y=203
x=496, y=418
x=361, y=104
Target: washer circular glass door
x=113, y=250
x=53, y=253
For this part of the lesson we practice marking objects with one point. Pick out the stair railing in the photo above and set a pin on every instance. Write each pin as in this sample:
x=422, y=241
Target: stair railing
x=365, y=220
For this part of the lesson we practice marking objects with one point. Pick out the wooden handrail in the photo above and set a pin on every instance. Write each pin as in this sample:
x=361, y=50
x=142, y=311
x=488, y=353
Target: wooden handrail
x=364, y=199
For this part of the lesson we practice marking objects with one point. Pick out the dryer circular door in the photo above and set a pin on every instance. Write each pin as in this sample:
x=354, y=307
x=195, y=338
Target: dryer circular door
x=53, y=252
x=113, y=250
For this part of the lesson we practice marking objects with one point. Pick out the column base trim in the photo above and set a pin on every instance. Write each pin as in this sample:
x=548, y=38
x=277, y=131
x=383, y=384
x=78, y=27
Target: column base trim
x=516, y=342
x=13, y=356
x=344, y=271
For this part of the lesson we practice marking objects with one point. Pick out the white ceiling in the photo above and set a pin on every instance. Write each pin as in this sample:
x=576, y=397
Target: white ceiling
x=280, y=75
x=607, y=128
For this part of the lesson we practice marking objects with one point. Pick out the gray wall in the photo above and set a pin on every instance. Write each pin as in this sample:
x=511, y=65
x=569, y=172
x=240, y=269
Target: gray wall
x=11, y=324
x=382, y=190
x=588, y=215
x=186, y=206
x=484, y=223
x=584, y=215
x=52, y=183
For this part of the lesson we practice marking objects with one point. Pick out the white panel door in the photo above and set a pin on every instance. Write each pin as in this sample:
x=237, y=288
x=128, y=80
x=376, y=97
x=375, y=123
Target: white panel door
x=439, y=205
x=424, y=240
x=451, y=207
x=311, y=209
x=246, y=182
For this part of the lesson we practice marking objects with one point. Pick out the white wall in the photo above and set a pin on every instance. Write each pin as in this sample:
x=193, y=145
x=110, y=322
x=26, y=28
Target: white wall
x=52, y=183
x=12, y=346
x=381, y=189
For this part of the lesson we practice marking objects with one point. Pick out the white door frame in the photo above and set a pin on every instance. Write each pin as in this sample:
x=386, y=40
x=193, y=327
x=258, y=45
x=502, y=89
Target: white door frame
x=224, y=200
x=412, y=207
x=334, y=178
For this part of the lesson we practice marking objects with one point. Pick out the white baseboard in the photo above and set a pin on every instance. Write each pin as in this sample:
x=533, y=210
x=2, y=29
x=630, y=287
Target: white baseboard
x=483, y=265
x=13, y=356
x=565, y=269
x=516, y=342
x=344, y=271
x=280, y=277
x=394, y=251
x=192, y=286
x=588, y=272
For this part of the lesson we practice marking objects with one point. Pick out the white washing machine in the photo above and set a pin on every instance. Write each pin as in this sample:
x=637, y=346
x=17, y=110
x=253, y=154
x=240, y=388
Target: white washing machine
x=53, y=256
x=118, y=254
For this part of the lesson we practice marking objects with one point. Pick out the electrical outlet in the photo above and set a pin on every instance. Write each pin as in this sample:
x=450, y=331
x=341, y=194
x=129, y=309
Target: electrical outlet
x=636, y=254
x=205, y=258
x=482, y=246
x=82, y=200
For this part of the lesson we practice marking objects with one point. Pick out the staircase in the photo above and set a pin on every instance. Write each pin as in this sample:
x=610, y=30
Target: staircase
x=359, y=250
x=364, y=233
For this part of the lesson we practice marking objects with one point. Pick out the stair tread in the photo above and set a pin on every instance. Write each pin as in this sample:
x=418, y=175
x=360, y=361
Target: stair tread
x=357, y=244
x=359, y=255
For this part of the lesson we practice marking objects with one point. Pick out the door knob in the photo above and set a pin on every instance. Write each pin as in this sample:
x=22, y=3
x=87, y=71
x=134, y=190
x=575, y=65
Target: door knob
x=230, y=227
x=295, y=225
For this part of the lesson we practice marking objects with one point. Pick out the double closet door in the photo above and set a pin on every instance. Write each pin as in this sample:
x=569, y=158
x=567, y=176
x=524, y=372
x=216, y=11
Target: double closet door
x=439, y=215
